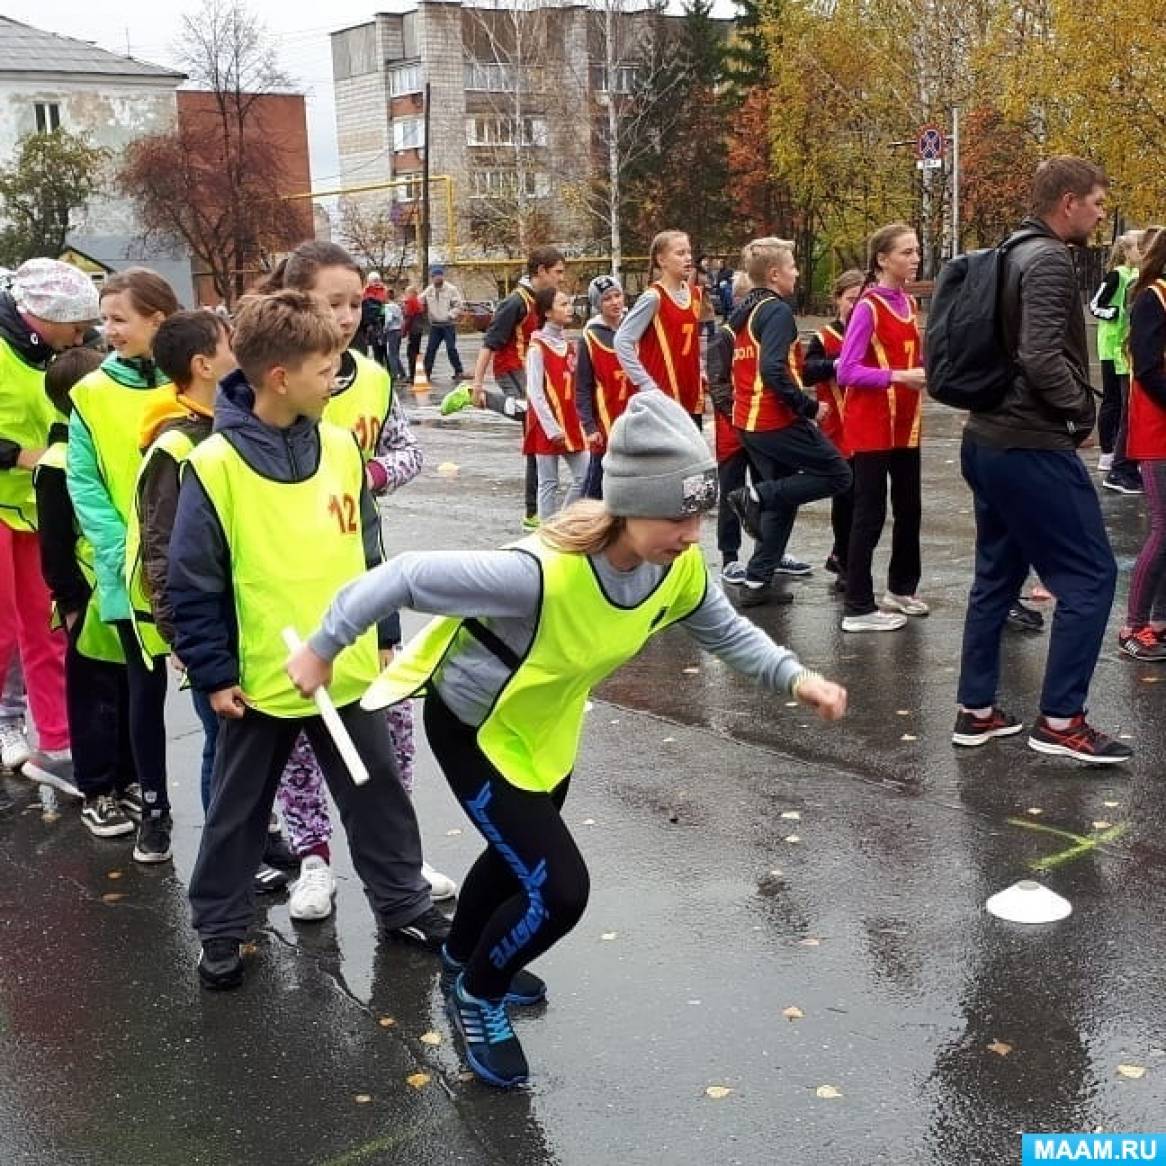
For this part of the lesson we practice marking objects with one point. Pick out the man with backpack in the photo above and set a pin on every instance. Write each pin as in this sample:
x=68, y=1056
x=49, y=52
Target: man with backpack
x=1026, y=383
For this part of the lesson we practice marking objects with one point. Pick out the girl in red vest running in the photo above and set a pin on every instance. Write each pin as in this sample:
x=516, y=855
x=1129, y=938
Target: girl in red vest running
x=881, y=369
x=553, y=428
x=819, y=366
x=526, y=633
x=658, y=343
x=1143, y=635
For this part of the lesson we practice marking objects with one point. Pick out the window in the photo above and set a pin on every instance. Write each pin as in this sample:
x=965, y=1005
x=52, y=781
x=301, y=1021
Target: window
x=487, y=130
x=405, y=81
x=48, y=117
x=624, y=78
x=504, y=184
x=408, y=133
x=491, y=77
x=409, y=189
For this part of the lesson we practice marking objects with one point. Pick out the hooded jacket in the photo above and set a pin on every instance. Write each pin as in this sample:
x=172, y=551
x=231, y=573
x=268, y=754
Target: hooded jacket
x=1050, y=403
x=199, y=587
x=776, y=331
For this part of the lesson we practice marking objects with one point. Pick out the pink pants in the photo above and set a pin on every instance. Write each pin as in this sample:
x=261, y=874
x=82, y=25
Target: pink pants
x=25, y=627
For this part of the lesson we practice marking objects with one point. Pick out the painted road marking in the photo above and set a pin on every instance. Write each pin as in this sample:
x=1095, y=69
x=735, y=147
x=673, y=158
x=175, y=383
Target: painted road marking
x=1080, y=844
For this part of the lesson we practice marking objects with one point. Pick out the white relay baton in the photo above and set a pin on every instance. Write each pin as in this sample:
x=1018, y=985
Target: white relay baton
x=331, y=719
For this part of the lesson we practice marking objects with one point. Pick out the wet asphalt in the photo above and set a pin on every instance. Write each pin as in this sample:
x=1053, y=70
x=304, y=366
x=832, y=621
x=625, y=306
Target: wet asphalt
x=746, y=860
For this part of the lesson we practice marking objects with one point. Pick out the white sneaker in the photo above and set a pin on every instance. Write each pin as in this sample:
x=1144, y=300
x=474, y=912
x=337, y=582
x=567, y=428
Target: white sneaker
x=53, y=767
x=441, y=887
x=1105, y=463
x=875, y=621
x=734, y=573
x=907, y=604
x=14, y=747
x=312, y=896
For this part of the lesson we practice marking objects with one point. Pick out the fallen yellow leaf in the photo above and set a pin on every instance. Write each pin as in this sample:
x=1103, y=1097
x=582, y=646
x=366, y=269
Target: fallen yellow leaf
x=793, y=1013
x=1035, y=811
x=716, y=1092
x=114, y=874
x=827, y=1092
x=447, y=470
x=809, y=941
x=248, y=949
x=418, y=1080
x=1111, y=805
x=1133, y=1072
x=999, y=1048
x=792, y=815
x=430, y=1038
x=908, y=737
x=791, y=704
x=387, y=1022
x=112, y=897
x=793, y=838
x=609, y=935
x=691, y=671
x=362, y=1098
x=902, y=712
x=1101, y=824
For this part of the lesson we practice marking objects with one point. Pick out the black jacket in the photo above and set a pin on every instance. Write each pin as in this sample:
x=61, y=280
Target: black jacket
x=776, y=329
x=199, y=586
x=57, y=535
x=1050, y=404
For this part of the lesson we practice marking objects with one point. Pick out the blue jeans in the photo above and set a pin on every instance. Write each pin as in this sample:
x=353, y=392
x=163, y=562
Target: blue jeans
x=210, y=729
x=448, y=334
x=1036, y=508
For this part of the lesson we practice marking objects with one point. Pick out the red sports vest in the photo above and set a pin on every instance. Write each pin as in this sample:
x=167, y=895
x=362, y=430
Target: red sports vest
x=511, y=357
x=829, y=394
x=670, y=349
x=559, y=389
x=1147, y=419
x=891, y=418
x=755, y=407
x=611, y=382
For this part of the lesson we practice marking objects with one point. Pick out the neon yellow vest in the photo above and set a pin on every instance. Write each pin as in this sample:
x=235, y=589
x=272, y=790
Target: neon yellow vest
x=532, y=733
x=176, y=444
x=293, y=545
x=97, y=641
x=364, y=405
x=25, y=417
x=113, y=415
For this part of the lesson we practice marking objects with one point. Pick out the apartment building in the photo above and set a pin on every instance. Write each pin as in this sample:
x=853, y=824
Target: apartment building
x=515, y=120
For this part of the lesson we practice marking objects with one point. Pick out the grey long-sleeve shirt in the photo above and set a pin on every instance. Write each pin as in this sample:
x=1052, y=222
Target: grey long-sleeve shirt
x=631, y=331
x=502, y=590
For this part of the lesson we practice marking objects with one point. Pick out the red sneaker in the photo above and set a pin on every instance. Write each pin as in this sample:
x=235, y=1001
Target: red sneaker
x=1080, y=740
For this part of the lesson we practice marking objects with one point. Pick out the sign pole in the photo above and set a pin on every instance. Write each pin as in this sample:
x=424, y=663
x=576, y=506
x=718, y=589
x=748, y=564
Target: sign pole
x=955, y=180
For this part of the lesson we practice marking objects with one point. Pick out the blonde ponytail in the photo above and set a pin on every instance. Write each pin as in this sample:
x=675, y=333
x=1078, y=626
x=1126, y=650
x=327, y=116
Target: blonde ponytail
x=584, y=528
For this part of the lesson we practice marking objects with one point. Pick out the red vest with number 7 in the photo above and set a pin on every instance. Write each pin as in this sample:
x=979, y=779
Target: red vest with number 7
x=876, y=420
x=670, y=348
x=559, y=390
x=611, y=382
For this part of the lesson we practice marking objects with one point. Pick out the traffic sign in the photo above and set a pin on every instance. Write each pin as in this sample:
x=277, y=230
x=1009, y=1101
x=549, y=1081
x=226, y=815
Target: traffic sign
x=930, y=144
x=929, y=164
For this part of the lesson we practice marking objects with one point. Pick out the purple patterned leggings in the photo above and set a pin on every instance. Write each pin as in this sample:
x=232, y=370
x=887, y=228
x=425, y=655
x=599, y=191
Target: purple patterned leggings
x=302, y=797
x=1147, y=598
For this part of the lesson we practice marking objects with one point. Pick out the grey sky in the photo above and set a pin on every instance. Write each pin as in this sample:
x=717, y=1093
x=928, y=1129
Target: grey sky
x=300, y=31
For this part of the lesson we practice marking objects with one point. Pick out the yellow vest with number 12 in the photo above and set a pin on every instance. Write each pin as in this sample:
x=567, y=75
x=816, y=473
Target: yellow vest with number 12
x=293, y=545
x=532, y=733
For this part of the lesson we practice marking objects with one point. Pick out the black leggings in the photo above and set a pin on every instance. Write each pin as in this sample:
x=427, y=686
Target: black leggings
x=529, y=887
x=146, y=688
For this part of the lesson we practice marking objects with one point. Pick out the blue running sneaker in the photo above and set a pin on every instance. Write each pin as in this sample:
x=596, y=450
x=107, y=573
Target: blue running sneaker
x=791, y=566
x=492, y=1049
x=525, y=988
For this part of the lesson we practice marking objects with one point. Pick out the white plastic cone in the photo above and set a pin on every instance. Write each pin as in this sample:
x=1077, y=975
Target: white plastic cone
x=1028, y=902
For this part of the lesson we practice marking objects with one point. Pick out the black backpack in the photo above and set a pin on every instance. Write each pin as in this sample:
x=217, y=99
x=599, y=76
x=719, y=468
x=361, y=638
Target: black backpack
x=969, y=365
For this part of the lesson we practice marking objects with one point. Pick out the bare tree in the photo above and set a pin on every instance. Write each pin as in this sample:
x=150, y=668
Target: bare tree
x=377, y=231
x=213, y=182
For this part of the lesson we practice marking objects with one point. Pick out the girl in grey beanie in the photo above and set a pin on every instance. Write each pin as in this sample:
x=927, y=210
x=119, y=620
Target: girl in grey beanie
x=521, y=637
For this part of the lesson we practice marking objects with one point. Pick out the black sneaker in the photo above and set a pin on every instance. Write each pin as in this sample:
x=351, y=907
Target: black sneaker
x=747, y=509
x=267, y=880
x=429, y=930
x=492, y=1049
x=104, y=818
x=1022, y=618
x=1080, y=740
x=525, y=987
x=276, y=852
x=1123, y=484
x=1145, y=644
x=834, y=565
x=754, y=596
x=973, y=730
x=131, y=801
x=153, y=844
x=220, y=965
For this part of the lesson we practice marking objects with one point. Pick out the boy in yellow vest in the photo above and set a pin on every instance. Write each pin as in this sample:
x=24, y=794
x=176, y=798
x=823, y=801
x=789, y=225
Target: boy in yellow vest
x=274, y=514
x=524, y=635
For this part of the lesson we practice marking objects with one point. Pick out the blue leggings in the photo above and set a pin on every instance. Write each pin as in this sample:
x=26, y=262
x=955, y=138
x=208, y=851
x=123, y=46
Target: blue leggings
x=529, y=887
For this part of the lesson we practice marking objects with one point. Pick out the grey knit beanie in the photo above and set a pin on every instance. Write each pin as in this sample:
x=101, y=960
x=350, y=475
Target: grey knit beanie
x=599, y=287
x=658, y=464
